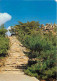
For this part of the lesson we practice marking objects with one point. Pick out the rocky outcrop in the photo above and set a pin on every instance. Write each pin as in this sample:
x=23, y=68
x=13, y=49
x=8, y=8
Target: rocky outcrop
x=48, y=27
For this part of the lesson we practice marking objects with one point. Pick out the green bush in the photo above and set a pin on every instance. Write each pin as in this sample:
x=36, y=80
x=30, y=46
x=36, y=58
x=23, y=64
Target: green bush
x=4, y=41
x=4, y=45
x=2, y=30
x=45, y=51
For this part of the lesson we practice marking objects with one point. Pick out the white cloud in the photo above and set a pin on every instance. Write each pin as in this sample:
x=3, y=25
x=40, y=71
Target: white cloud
x=56, y=0
x=4, y=17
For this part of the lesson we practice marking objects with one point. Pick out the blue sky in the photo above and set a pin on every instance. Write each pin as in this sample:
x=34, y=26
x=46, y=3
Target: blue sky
x=43, y=11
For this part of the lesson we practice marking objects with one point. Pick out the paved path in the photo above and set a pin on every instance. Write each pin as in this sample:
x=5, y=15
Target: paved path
x=16, y=77
x=14, y=63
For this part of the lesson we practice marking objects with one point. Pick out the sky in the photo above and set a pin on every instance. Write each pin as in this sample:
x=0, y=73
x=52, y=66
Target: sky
x=43, y=11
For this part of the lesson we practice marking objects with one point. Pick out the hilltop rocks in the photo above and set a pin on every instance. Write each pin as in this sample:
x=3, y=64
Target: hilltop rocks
x=48, y=27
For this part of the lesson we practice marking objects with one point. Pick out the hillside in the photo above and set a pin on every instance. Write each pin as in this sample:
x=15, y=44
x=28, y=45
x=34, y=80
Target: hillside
x=15, y=63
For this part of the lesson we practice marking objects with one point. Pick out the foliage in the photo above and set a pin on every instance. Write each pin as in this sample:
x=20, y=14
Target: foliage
x=4, y=41
x=25, y=28
x=4, y=44
x=42, y=47
x=2, y=30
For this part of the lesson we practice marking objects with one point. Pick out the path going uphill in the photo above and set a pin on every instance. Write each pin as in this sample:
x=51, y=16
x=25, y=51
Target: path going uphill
x=14, y=63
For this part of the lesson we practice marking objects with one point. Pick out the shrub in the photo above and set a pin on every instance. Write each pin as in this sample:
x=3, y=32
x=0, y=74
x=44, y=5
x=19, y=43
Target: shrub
x=4, y=42
x=45, y=51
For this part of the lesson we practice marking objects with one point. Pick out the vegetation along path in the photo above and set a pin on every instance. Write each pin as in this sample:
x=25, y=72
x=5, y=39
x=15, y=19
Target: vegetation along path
x=14, y=63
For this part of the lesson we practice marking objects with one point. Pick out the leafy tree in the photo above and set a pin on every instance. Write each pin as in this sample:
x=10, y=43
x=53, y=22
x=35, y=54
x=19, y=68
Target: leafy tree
x=26, y=27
